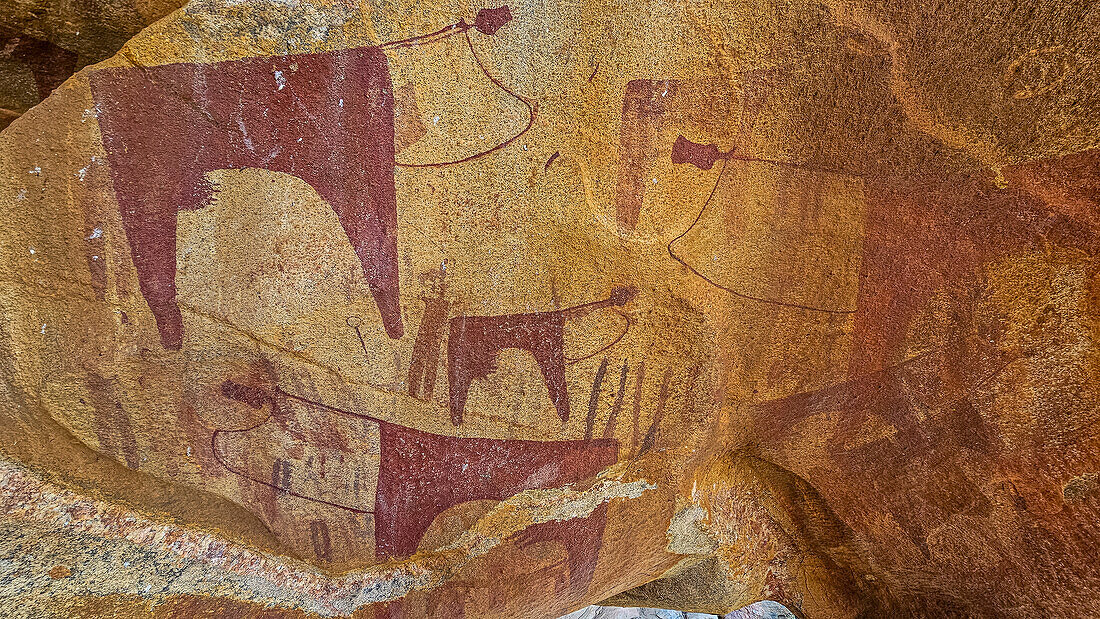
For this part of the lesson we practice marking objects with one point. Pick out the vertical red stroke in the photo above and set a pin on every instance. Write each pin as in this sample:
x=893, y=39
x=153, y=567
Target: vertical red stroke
x=645, y=104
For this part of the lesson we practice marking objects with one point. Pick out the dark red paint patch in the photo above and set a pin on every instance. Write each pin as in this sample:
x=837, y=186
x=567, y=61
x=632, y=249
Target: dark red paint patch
x=488, y=21
x=325, y=118
x=49, y=64
x=927, y=238
x=582, y=538
x=423, y=474
x=252, y=396
x=701, y=156
x=429, y=341
x=1069, y=184
x=645, y=105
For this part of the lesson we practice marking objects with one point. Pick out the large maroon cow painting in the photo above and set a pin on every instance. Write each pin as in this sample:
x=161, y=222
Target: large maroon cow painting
x=422, y=474
x=326, y=118
x=474, y=342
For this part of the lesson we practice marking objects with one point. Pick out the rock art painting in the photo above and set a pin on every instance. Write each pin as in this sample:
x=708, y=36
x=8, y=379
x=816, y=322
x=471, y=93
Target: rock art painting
x=281, y=115
x=250, y=125
x=411, y=309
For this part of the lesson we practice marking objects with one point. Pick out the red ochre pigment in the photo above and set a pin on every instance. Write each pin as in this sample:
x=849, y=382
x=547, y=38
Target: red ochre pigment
x=324, y=118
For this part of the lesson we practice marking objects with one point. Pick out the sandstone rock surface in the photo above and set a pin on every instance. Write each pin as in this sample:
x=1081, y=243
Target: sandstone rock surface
x=435, y=309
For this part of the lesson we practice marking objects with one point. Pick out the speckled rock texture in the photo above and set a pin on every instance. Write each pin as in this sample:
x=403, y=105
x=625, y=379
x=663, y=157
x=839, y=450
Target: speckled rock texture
x=316, y=308
x=760, y=610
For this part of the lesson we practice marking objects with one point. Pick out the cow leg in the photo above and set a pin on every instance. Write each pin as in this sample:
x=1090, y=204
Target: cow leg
x=549, y=353
x=151, y=232
x=461, y=365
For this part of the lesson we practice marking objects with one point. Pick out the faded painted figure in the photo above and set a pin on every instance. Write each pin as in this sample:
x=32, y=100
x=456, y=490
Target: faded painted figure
x=342, y=309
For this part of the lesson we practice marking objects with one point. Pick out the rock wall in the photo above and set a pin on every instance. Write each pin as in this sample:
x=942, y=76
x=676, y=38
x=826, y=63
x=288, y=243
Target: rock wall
x=454, y=310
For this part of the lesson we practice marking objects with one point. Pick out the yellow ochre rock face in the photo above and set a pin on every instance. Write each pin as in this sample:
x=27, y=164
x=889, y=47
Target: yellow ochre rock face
x=402, y=310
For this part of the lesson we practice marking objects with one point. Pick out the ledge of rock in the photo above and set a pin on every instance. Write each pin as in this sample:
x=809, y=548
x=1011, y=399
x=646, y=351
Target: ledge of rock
x=319, y=308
